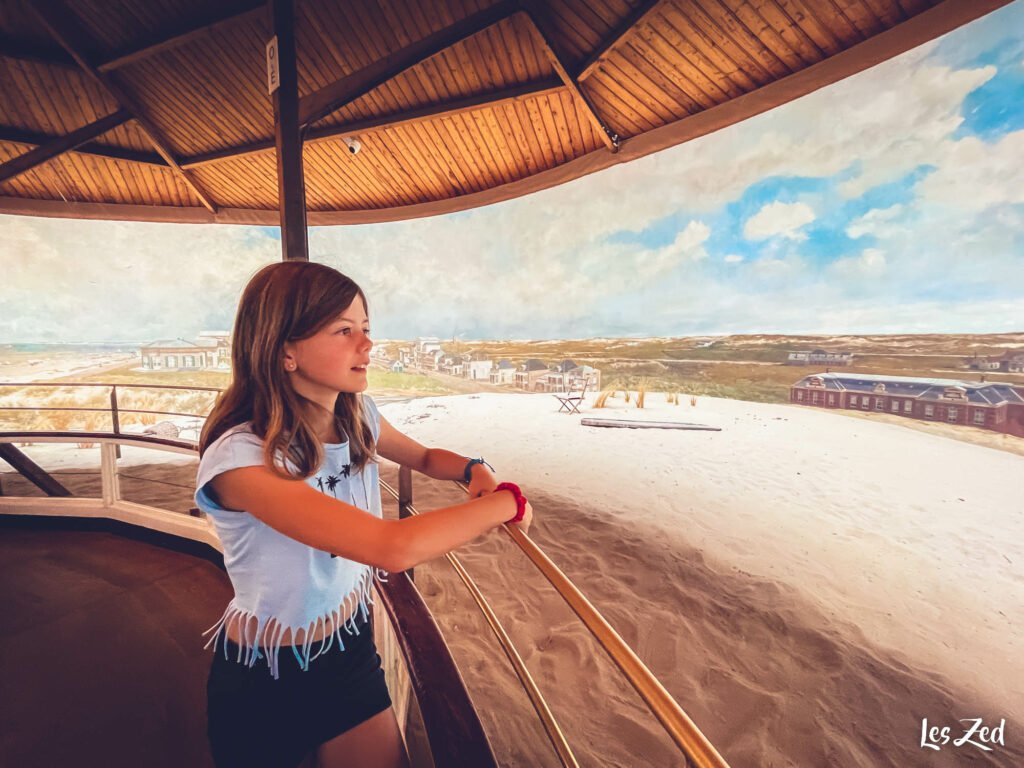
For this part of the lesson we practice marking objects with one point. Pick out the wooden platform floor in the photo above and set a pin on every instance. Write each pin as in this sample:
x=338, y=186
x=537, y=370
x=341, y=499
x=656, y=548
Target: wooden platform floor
x=101, y=650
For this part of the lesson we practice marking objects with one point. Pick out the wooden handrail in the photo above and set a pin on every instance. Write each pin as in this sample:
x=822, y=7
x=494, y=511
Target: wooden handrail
x=554, y=732
x=680, y=727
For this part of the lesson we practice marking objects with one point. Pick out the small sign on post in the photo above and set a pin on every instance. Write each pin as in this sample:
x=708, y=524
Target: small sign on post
x=273, y=73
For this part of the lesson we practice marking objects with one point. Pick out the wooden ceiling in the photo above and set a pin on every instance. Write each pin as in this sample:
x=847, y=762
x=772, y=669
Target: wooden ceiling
x=159, y=109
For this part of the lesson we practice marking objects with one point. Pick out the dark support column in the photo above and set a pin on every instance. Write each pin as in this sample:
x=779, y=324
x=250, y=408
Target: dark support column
x=32, y=471
x=291, y=186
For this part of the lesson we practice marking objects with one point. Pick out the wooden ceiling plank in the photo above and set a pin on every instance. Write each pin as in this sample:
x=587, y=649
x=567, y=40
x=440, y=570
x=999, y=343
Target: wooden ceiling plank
x=324, y=101
x=634, y=84
x=605, y=93
x=616, y=77
x=573, y=40
x=508, y=118
x=63, y=144
x=194, y=31
x=377, y=173
x=888, y=11
x=803, y=13
x=656, y=49
x=673, y=97
x=522, y=127
x=441, y=185
x=497, y=119
x=47, y=11
x=621, y=32
x=501, y=72
x=428, y=139
x=748, y=39
x=555, y=121
x=791, y=33
x=30, y=91
x=766, y=34
x=745, y=67
x=479, y=75
x=855, y=33
x=545, y=38
x=518, y=60
x=707, y=37
x=859, y=12
x=678, y=30
x=913, y=7
x=577, y=140
x=540, y=131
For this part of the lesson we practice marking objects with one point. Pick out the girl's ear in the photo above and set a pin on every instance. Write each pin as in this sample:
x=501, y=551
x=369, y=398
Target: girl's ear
x=288, y=357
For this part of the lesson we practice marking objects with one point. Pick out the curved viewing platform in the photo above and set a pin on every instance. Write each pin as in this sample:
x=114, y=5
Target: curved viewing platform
x=123, y=577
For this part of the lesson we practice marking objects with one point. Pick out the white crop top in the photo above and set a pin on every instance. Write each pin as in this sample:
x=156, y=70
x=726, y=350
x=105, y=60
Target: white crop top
x=279, y=582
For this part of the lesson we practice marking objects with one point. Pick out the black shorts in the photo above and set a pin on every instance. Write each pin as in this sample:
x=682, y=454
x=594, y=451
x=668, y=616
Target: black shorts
x=256, y=721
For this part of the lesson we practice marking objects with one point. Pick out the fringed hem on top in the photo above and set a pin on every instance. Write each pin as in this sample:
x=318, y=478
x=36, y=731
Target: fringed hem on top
x=358, y=600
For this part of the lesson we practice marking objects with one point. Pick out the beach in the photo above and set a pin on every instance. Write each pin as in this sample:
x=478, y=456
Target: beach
x=48, y=364
x=809, y=587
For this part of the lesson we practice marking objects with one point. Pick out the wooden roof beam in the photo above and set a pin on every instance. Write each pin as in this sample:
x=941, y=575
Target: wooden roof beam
x=608, y=136
x=392, y=119
x=11, y=49
x=242, y=12
x=624, y=29
x=330, y=98
x=61, y=144
x=19, y=136
x=56, y=19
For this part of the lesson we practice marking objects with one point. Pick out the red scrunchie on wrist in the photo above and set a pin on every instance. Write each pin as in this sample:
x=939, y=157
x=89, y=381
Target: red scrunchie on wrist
x=520, y=500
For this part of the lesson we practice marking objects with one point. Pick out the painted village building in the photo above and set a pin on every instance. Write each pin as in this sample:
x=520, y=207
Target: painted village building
x=1011, y=361
x=529, y=372
x=210, y=351
x=478, y=367
x=503, y=372
x=988, y=405
x=819, y=357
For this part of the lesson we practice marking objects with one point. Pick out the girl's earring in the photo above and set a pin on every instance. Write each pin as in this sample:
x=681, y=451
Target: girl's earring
x=289, y=366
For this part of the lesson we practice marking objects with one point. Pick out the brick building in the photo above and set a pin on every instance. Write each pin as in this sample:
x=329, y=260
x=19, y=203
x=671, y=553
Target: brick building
x=995, y=406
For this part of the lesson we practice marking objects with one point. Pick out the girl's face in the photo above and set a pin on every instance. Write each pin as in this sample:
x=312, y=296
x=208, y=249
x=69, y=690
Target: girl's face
x=334, y=359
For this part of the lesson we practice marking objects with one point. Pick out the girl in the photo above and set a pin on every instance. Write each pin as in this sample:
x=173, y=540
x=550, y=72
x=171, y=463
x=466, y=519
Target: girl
x=288, y=476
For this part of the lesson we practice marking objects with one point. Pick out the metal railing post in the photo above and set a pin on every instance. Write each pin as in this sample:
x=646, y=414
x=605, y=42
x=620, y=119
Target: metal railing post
x=114, y=416
x=405, y=498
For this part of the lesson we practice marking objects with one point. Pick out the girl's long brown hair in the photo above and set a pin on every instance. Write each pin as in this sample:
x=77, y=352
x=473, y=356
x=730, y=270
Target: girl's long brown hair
x=287, y=301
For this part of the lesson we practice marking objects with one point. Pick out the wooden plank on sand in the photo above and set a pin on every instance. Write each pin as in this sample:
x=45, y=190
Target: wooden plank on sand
x=646, y=424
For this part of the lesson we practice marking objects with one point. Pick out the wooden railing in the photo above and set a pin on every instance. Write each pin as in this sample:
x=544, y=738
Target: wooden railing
x=698, y=751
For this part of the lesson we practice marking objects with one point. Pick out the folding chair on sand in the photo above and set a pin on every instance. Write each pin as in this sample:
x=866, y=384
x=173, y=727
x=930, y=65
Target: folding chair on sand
x=573, y=399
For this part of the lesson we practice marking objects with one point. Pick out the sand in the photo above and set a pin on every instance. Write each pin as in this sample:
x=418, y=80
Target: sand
x=808, y=586
x=49, y=365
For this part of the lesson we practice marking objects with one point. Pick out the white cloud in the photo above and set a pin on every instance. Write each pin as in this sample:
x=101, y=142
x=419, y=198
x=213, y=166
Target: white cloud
x=783, y=219
x=732, y=258
x=870, y=264
x=874, y=221
x=689, y=243
x=68, y=280
x=974, y=175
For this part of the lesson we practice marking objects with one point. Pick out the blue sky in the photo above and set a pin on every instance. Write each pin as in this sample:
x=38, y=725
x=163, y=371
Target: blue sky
x=891, y=202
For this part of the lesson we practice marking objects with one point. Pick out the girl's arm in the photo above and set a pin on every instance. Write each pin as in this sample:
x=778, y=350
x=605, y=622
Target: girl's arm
x=432, y=462
x=304, y=514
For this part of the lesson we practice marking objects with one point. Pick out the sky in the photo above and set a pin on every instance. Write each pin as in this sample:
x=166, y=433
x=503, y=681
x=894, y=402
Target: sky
x=890, y=202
